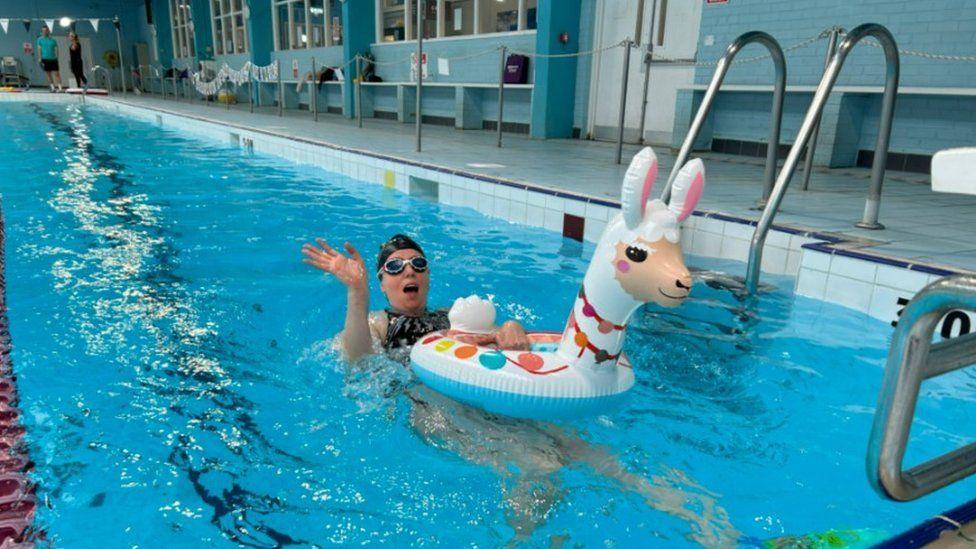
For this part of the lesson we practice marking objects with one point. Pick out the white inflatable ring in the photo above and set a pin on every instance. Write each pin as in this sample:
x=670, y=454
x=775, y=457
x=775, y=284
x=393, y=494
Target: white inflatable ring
x=535, y=384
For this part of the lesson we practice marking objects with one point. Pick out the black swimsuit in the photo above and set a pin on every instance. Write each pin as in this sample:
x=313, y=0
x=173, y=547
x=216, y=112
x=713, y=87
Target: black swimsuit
x=404, y=331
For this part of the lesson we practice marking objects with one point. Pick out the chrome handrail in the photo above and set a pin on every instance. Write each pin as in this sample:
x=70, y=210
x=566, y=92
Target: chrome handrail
x=912, y=359
x=108, y=76
x=870, y=218
x=775, y=115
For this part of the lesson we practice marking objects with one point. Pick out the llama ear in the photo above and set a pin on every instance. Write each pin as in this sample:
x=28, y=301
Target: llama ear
x=687, y=188
x=638, y=182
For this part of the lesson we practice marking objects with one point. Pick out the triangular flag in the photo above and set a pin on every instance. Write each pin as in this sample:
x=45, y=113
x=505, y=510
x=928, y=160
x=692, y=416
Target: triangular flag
x=27, y=23
x=4, y=23
x=94, y=23
x=50, y=24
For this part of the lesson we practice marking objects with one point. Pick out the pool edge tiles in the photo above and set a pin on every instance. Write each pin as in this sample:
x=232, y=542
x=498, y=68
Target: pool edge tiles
x=17, y=500
x=789, y=250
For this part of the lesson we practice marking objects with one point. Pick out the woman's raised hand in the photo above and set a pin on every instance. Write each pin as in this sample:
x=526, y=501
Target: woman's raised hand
x=350, y=270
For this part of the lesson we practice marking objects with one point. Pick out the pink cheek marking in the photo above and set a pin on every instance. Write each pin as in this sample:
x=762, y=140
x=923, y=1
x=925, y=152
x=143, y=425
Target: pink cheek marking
x=623, y=266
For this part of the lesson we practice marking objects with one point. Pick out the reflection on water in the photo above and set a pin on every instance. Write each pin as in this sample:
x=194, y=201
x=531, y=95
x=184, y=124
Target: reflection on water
x=130, y=262
x=180, y=387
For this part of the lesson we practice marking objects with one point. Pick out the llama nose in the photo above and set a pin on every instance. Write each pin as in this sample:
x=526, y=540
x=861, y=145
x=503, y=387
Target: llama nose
x=684, y=284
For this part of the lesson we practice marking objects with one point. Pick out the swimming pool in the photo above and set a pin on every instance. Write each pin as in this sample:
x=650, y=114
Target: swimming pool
x=178, y=385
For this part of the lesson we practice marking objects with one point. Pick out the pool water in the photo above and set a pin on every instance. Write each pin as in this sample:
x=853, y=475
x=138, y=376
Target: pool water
x=179, y=387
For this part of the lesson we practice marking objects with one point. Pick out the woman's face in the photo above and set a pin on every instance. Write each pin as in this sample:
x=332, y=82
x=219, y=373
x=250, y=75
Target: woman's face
x=406, y=291
x=72, y=36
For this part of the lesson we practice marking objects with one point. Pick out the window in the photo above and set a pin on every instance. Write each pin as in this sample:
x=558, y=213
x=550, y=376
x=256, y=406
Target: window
x=229, y=27
x=396, y=19
x=179, y=14
x=300, y=24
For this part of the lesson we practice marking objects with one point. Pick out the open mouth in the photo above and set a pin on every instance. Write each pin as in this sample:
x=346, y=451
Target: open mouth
x=672, y=296
x=411, y=288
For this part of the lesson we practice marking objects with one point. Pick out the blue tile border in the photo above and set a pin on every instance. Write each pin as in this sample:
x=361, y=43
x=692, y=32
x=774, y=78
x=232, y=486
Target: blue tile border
x=829, y=242
x=929, y=531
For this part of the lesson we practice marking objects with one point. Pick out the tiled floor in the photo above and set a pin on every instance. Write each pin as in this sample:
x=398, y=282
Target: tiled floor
x=922, y=226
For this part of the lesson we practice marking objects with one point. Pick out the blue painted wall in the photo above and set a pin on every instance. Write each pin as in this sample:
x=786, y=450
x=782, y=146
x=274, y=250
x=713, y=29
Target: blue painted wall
x=131, y=13
x=359, y=31
x=555, y=78
x=923, y=123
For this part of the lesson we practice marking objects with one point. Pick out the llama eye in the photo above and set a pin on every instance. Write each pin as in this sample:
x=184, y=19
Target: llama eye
x=636, y=254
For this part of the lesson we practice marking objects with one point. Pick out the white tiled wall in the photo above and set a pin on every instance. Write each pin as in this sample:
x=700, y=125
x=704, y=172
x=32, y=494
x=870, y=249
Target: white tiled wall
x=866, y=286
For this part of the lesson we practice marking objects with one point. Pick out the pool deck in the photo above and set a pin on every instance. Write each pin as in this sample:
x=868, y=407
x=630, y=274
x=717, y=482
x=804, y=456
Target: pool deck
x=921, y=226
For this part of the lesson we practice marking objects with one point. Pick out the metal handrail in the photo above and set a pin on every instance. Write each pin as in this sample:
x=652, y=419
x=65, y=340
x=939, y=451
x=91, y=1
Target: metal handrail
x=108, y=76
x=775, y=115
x=870, y=218
x=912, y=359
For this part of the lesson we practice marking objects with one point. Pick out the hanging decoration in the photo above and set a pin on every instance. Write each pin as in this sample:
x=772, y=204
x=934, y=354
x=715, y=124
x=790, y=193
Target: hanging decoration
x=27, y=23
x=50, y=24
x=94, y=24
x=4, y=23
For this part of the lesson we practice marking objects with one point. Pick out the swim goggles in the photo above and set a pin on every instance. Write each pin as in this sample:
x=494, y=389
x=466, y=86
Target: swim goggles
x=396, y=265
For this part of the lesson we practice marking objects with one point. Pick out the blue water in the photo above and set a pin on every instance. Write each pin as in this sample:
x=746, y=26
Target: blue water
x=179, y=386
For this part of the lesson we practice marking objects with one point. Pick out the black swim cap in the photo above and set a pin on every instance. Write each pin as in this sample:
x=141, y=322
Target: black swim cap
x=396, y=242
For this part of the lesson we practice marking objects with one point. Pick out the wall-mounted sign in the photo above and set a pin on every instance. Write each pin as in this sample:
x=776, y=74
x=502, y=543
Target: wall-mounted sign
x=710, y=2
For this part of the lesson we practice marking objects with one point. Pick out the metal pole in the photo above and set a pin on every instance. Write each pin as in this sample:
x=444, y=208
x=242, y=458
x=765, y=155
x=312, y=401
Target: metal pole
x=226, y=86
x=420, y=64
x=176, y=94
x=623, y=100
x=118, y=40
x=281, y=91
x=250, y=90
x=501, y=93
x=648, y=56
x=776, y=114
x=812, y=147
x=359, y=91
x=887, y=41
x=313, y=90
x=872, y=205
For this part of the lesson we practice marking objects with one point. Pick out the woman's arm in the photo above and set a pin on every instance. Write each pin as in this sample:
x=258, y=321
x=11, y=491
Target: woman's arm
x=357, y=338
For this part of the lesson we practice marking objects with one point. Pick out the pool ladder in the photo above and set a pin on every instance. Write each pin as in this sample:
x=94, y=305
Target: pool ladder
x=912, y=359
x=772, y=194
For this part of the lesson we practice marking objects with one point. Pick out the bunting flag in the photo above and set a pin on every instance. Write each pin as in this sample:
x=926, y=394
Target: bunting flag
x=94, y=23
x=27, y=23
x=50, y=24
x=4, y=23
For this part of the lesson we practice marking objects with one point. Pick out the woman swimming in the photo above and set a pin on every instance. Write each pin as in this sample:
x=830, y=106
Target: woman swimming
x=404, y=274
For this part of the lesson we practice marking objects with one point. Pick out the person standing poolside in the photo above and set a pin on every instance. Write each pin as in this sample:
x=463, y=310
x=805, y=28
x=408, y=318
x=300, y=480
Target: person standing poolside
x=77, y=67
x=47, y=50
x=405, y=280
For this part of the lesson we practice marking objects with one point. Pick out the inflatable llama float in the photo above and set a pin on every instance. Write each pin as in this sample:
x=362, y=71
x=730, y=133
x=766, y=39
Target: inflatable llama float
x=581, y=371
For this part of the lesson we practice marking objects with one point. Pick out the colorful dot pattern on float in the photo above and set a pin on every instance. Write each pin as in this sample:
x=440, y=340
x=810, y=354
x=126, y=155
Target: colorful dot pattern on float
x=489, y=358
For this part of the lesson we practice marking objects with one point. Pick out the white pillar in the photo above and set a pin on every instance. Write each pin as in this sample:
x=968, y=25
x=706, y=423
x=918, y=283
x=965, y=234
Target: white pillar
x=521, y=15
x=327, y=22
x=477, y=16
x=407, y=19
x=440, y=18
x=309, y=27
x=379, y=21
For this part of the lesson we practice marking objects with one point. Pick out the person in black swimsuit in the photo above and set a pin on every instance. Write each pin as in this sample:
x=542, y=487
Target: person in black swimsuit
x=404, y=275
x=77, y=69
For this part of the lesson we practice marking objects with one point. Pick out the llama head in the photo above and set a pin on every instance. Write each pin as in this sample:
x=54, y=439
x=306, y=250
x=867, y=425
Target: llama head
x=646, y=253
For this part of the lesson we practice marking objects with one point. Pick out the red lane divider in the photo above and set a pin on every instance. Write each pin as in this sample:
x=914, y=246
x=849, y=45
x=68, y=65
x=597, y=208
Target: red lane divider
x=18, y=502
